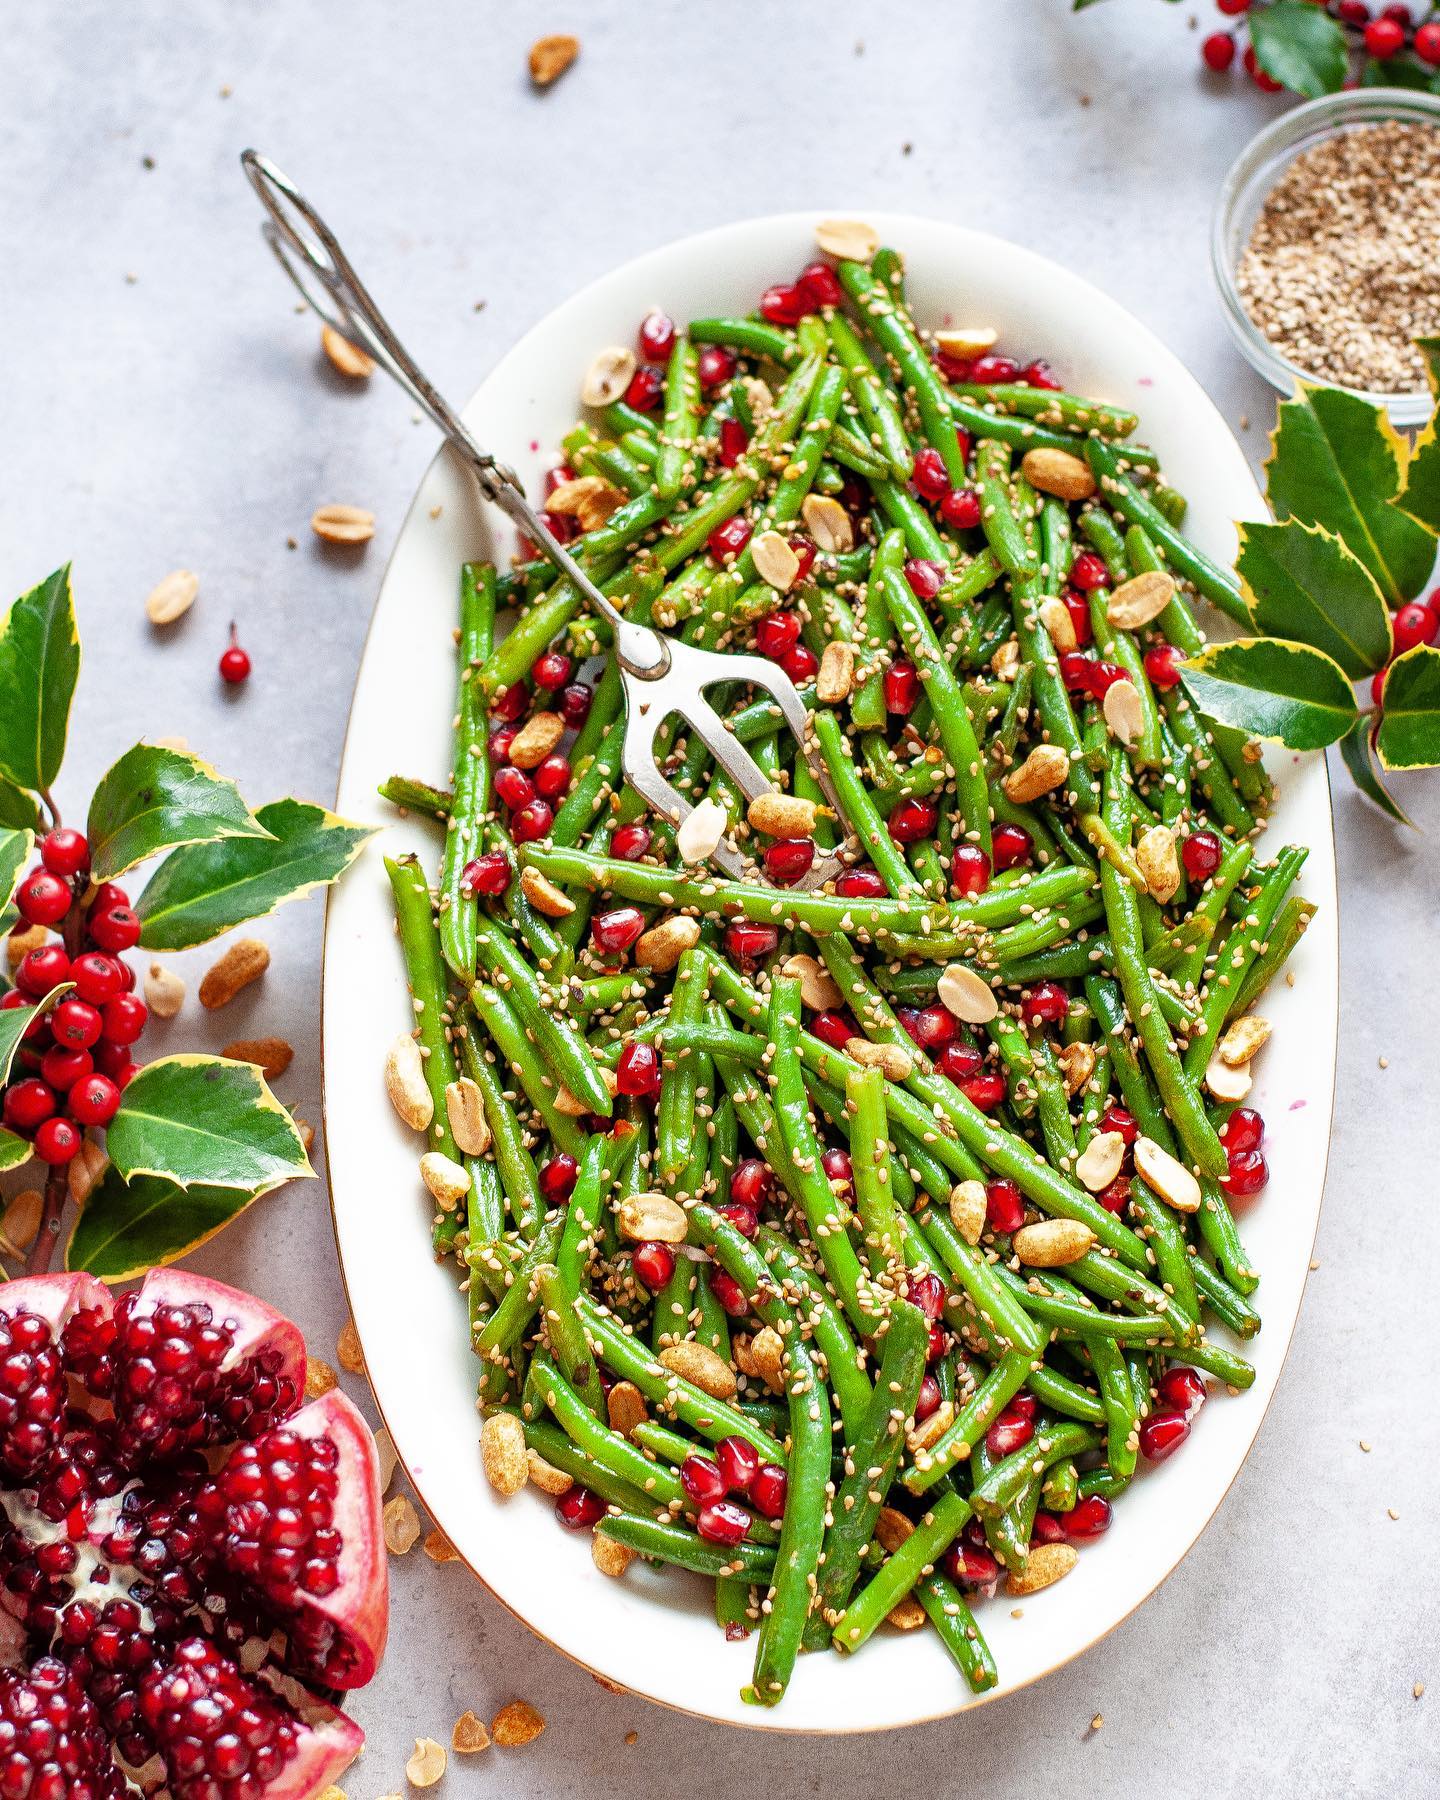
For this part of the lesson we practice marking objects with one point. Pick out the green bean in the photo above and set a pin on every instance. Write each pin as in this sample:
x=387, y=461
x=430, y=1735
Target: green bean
x=682, y=417
x=877, y=409
x=665, y=1542
x=1235, y=959
x=950, y=1614
x=1068, y=412
x=970, y=1423
x=470, y=773
x=749, y=336
x=1289, y=927
x=561, y=1045
x=891, y=328
x=1003, y=530
x=939, y=1528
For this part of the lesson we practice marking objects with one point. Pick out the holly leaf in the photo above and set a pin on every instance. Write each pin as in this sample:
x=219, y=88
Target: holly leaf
x=1337, y=461
x=18, y=811
x=1358, y=757
x=1398, y=71
x=128, y=1227
x=155, y=798
x=15, y=848
x=1301, y=582
x=1272, y=689
x=1409, y=736
x=15, y=1151
x=39, y=666
x=203, y=1121
x=206, y=889
x=15, y=1022
x=1420, y=496
x=1299, y=45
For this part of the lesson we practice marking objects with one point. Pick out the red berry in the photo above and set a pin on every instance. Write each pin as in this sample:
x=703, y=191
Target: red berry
x=985, y=1090
x=575, y=702
x=961, y=508
x=821, y=285
x=715, y=365
x=1162, y=1434
x=118, y=928
x=28, y=1104
x=61, y=1067
x=748, y=942
x=1427, y=44
x=234, y=663
x=970, y=870
x=784, y=304
x=613, y=932
x=925, y=578
x=1249, y=1172
x=531, y=822
x=631, y=842
x=1182, y=1388
x=728, y=538
x=1046, y=1003
x=800, y=663
x=1089, y=572
x=702, y=1479
x=77, y=1024
x=511, y=703
x=637, y=1073
x=776, y=633
x=1088, y=1518
x=862, y=883
x=488, y=874
x=728, y=1291
x=646, y=387
x=552, y=777
x=833, y=1028
x=65, y=852
x=1118, y=1120
x=1200, y=853
x=1243, y=1130
x=929, y=476
x=656, y=336
x=42, y=898
x=1384, y=38
x=94, y=1100
x=900, y=685
x=1012, y=847
x=751, y=1183
x=57, y=1141
x=654, y=1265
x=768, y=1490
x=113, y=1060
x=1232, y=7
x=788, y=859
x=1267, y=84
x=1162, y=667
x=1414, y=624
x=578, y=1509
x=739, y=1463
x=734, y=440
x=1353, y=12
x=986, y=371
x=41, y=969
x=124, y=1018
x=97, y=977
x=912, y=820
x=1218, y=51
x=1004, y=1205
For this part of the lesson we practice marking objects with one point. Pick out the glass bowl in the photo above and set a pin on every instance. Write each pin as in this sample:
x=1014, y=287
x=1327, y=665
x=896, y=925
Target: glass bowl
x=1251, y=176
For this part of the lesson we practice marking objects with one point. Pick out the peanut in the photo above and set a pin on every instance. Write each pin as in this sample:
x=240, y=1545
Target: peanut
x=662, y=946
x=837, y=673
x=245, y=961
x=536, y=738
x=502, y=1453
x=782, y=815
x=426, y=1764
x=818, y=989
x=608, y=376
x=173, y=597
x=1046, y=1564
x=652, y=1218
x=849, y=239
x=346, y=525
x=271, y=1055
x=1099, y=1162
x=516, y=1725
x=400, y=1525
x=344, y=357
x=406, y=1085
x=1170, y=1179
x=1051, y=1243
x=964, y=993
x=967, y=1209
x=543, y=894
x=469, y=1735
x=700, y=1365
x=465, y=1111
x=1046, y=768
x=828, y=523
x=774, y=560
x=1059, y=473
x=164, y=991
x=1137, y=601
x=447, y=1181
x=895, y=1063
x=551, y=56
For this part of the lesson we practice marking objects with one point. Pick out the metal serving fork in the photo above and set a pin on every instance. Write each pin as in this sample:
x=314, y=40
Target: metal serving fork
x=660, y=675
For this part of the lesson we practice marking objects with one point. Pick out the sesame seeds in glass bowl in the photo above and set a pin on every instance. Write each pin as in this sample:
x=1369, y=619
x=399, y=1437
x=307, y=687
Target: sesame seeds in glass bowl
x=1326, y=246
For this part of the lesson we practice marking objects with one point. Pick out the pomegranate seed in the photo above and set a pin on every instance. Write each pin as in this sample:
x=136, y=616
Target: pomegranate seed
x=1102, y=676
x=631, y=842
x=745, y=1220
x=1075, y=671
x=734, y=441
x=1182, y=1389
x=65, y=852
x=1249, y=1172
x=557, y=478
x=28, y=1104
x=654, y=1265
x=913, y=820
x=1162, y=1434
x=1039, y=374
x=751, y=1184
x=1046, y=1003
x=1088, y=1518
x=557, y=1177
x=723, y=1522
x=77, y=1024
x=988, y=371
x=1218, y=50
x=234, y=663
x=1162, y=667
x=784, y=304
x=961, y=509
x=94, y=1100
x=498, y=744
x=57, y=1141
x=511, y=703
x=984, y=1091
x=42, y=898
x=821, y=285
x=1232, y=7
x=715, y=365
x=656, y=336
x=645, y=389
x=637, y=1073
x=513, y=787
x=1118, y=1119
x=927, y=1291
x=837, y=1167
x=61, y=1069
x=1012, y=847
x=970, y=870
x=748, y=942
x=928, y=1400
x=787, y=859
x=805, y=554
x=937, y=1343
x=739, y=1463
x=1243, y=1130
x=615, y=931
x=768, y=1490
x=552, y=777
x=958, y=369
x=728, y=538
x=958, y=1062
x=1025, y=1404
x=934, y=1026
x=531, y=822
x=552, y=670
x=1078, y=608
x=776, y=633
x=1427, y=48
x=862, y=883
x=561, y=526
x=833, y=1028
x=929, y=476
x=1115, y=1197
x=728, y=1291
x=578, y=1509
x=1004, y=1205
x=575, y=702
x=42, y=969
x=800, y=663
x=925, y=578
x=1200, y=853
x=1088, y=572
x=1008, y=1433
x=702, y=1479
x=971, y=1565
x=488, y=874
x=1384, y=38
x=901, y=687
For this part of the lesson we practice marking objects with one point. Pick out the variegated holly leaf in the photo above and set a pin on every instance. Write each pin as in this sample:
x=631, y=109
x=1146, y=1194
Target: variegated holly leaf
x=1357, y=753
x=39, y=666
x=1409, y=736
x=130, y=1226
x=18, y=811
x=1272, y=689
x=1301, y=582
x=155, y=798
x=205, y=889
x=15, y=849
x=203, y=1121
x=14, y=1151
x=15, y=1021
x=1420, y=496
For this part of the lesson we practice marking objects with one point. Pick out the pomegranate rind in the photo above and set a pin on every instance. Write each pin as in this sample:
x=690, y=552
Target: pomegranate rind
x=326, y=1749
x=262, y=1328
x=55, y=1298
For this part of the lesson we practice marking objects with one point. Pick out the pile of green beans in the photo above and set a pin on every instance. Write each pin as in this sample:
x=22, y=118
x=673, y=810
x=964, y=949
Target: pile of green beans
x=821, y=1243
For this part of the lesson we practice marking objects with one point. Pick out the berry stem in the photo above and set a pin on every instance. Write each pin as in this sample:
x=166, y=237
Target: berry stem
x=42, y=1251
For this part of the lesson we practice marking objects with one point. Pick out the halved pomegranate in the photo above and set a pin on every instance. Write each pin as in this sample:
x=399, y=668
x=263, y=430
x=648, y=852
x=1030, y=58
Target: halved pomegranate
x=190, y=1560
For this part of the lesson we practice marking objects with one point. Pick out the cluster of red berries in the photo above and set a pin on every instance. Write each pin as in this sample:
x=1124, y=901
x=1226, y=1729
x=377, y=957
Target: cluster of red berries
x=1381, y=33
x=1418, y=622
x=75, y=1060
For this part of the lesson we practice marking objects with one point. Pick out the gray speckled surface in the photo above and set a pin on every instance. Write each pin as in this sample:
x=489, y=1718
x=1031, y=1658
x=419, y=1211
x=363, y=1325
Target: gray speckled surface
x=181, y=419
